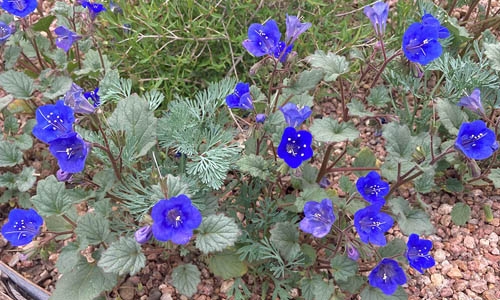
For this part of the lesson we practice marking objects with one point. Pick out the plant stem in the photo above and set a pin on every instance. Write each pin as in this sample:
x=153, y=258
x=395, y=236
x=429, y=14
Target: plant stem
x=326, y=158
x=73, y=224
x=345, y=116
x=382, y=68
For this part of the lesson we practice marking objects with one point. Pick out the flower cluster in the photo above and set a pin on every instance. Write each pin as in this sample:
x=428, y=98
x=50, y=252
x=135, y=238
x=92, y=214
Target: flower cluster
x=175, y=219
x=266, y=39
x=22, y=227
x=55, y=127
x=420, y=40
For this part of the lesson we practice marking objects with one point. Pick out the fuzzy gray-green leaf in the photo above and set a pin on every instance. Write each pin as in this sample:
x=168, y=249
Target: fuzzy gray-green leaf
x=216, y=233
x=185, y=279
x=122, y=257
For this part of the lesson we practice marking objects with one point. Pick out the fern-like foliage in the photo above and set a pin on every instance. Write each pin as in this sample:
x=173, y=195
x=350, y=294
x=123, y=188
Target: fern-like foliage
x=196, y=128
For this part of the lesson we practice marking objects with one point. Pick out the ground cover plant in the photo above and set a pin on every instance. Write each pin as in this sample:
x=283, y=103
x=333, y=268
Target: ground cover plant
x=242, y=174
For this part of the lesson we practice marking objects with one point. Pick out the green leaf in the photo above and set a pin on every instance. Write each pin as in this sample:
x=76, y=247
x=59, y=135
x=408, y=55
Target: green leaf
x=356, y=108
x=25, y=179
x=43, y=24
x=399, y=142
x=310, y=194
x=227, y=265
x=492, y=52
x=10, y=56
x=307, y=80
x=495, y=177
x=328, y=130
x=216, y=233
x=8, y=180
x=371, y=293
x=285, y=237
x=393, y=248
x=93, y=228
x=379, y=96
x=346, y=185
x=364, y=158
x=122, y=257
x=450, y=115
x=333, y=65
x=352, y=284
x=176, y=187
x=23, y=141
x=58, y=86
x=453, y=185
x=185, y=279
x=254, y=165
x=322, y=290
x=10, y=155
x=51, y=197
x=460, y=213
x=410, y=220
x=343, y=267
x=132, y=116
x=17, y=83
x=85, y=281
x=424, y=183
x=69, y=257
x=92, y=63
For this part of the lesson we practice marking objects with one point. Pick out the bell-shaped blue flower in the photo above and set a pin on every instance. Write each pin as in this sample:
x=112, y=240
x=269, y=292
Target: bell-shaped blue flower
x=371, y=224
x=262, y=39
x=76, y=99
x=476, y=141
x=65, y=38
x=295, y=147
x=175, y=219
x=53, y=121
x=70, y=151
x=94, y=8
x=282, y=51
x=420, y=40
x=294, y=28
x=294, y=114
x=241, y=98
x=372, y=188
x=94, y=97
x=417, y=253
x=318, y=218
x=473, y=102
x=378, y=16
x=20, y=8
x=260, y=118
x=386, y=276
x=22, y=227
x=143, y=234
x=5, y=32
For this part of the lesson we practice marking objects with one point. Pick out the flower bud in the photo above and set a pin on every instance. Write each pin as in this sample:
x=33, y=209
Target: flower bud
x=260, y=118
x=63, y=176
x=352, y=252
x=324, y=182
x=143, y=234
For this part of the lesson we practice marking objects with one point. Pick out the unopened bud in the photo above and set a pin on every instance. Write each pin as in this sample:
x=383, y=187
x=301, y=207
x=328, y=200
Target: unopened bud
x=352, y=252
x=260, y=118
x=63, y=176
x=143, y=234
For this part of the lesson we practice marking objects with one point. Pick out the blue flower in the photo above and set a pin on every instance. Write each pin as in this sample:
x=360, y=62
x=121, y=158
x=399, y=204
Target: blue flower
x=241, y=97
x=418, y=253
x=352, y=252
x=294, y=114
x=278, y=51
x=473, y=102
x=5, y=32
x=420, y=40
x=22, y=227
x=260, y=118
x=372, y=188
x=371, y=224
x=294, y=28
x=144, y=234
x=65, y=38
x=175, y=219
x=262, y=39
x=94, y=8
x=386, y=276
x=71, y=152
x=94, y=96
x=53, y=121
x=295, y=147
x=476, y=141
x=20, y=8
x=75, y=99
x=318, y=218
x=378, y=16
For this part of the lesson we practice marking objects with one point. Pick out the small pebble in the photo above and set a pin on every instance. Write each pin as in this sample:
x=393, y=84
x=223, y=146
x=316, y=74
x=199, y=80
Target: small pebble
x=469, y=242
x=439, y=255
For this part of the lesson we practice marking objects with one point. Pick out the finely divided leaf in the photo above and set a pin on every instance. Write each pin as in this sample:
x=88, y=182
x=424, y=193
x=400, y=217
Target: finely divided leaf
x=185, y=279
x=216, y=233
x=122, y=257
